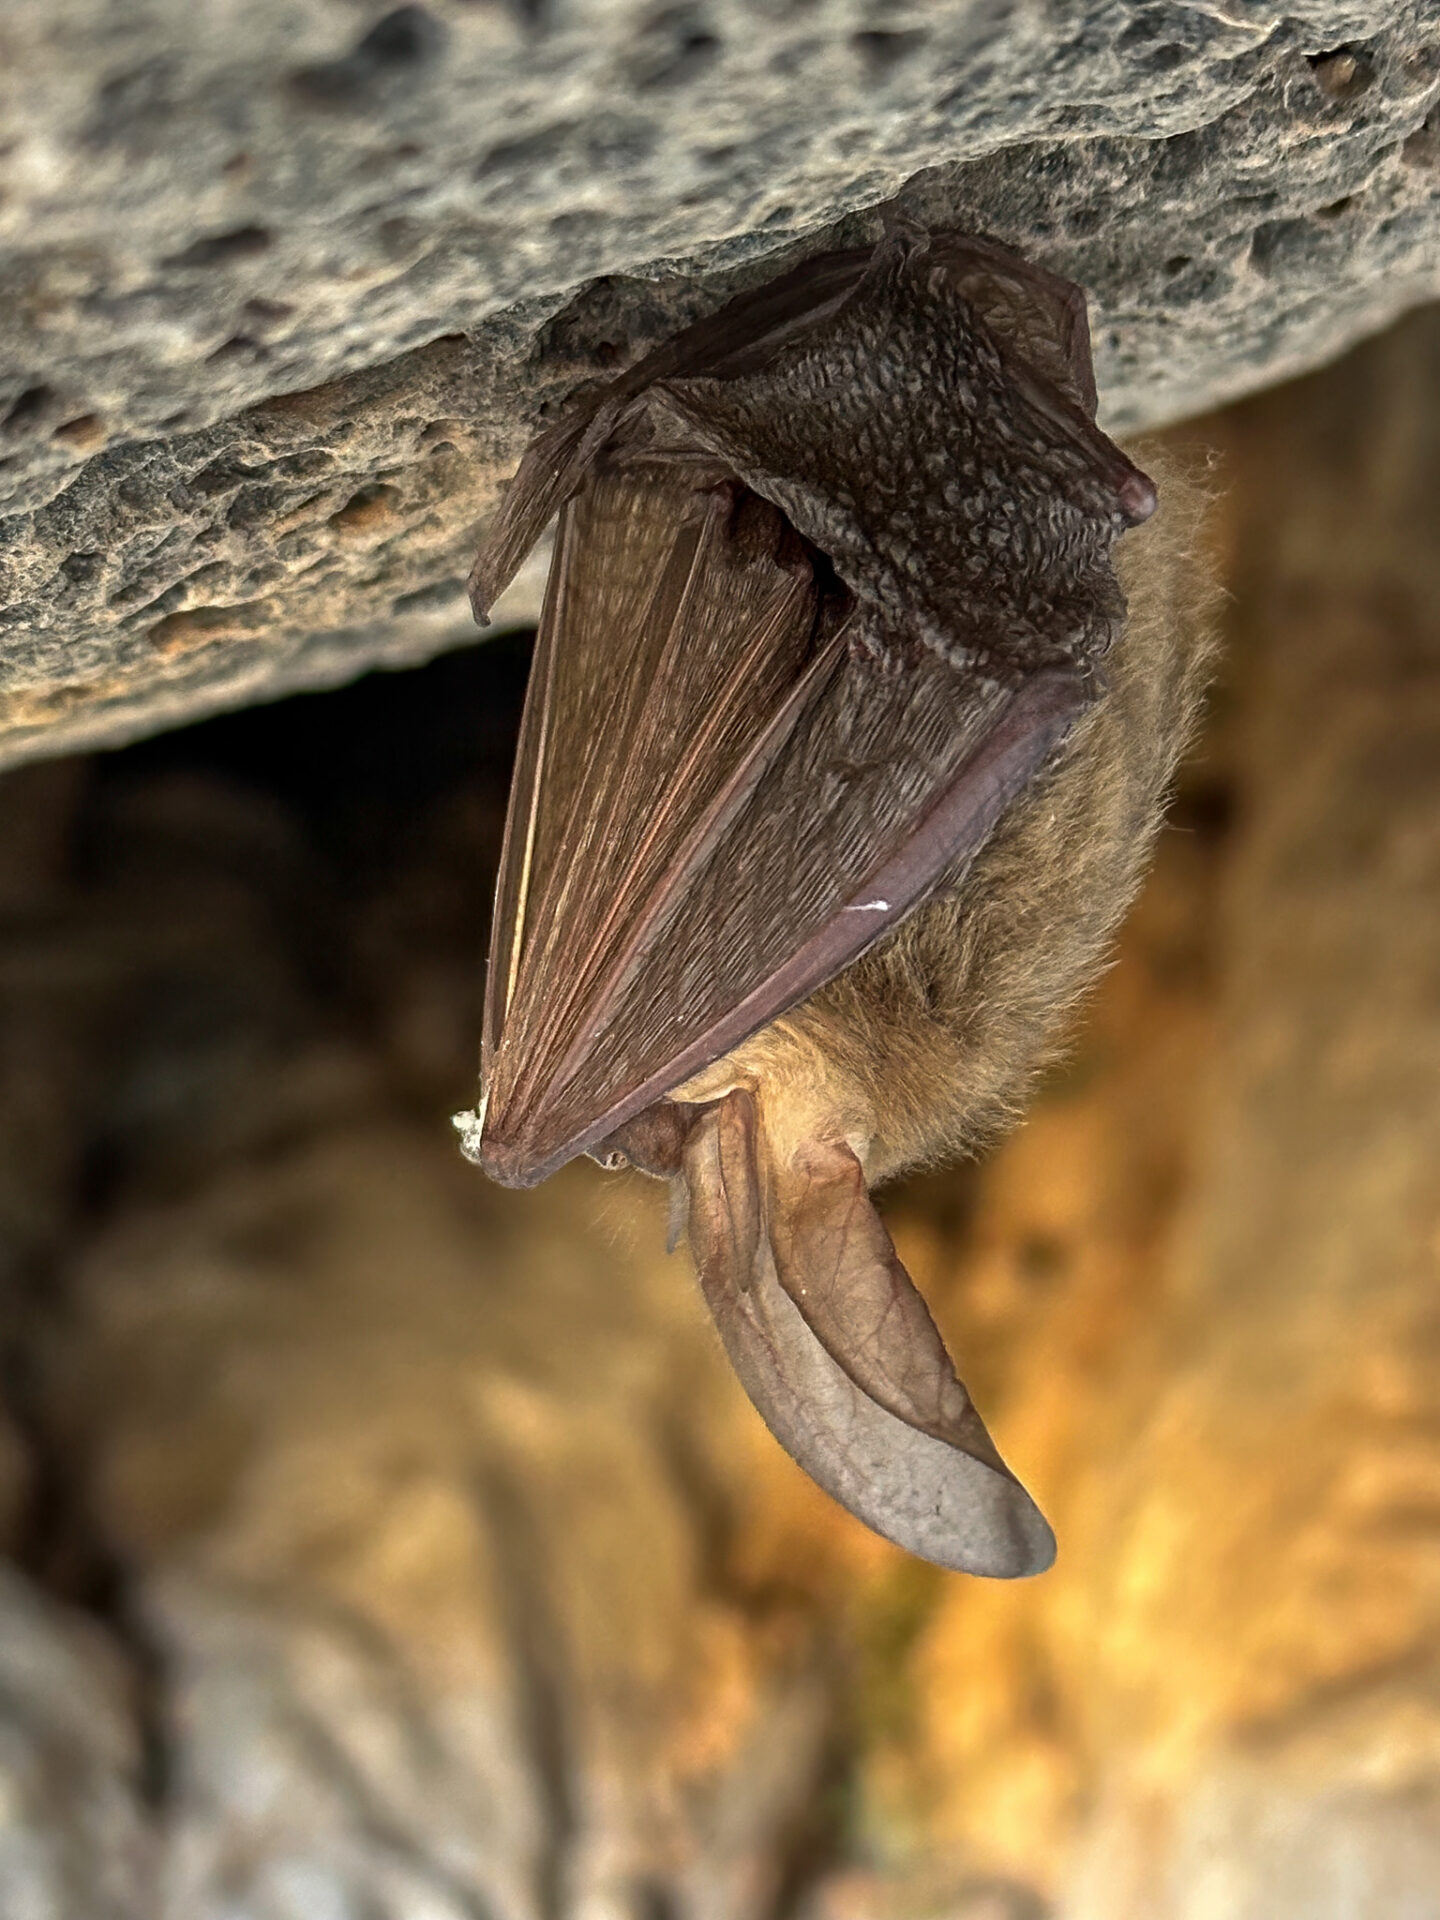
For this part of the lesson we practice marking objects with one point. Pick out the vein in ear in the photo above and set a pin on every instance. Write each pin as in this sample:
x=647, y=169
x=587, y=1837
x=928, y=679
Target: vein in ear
x=838, y=1264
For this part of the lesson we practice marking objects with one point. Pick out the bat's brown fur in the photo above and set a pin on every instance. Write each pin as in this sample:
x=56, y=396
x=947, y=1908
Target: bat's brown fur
x=926, y=1046
x=910, y=724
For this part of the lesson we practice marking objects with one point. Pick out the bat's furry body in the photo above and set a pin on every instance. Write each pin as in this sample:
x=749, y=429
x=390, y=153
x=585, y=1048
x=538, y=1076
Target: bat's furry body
x=840, y=765
x=924, y=1048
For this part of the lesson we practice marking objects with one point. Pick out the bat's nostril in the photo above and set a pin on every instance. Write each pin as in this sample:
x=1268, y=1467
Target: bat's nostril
x=1138, y=498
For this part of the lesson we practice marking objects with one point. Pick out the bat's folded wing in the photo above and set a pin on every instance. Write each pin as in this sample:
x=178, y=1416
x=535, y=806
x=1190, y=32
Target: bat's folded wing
x=742, y=334
x=718, y=803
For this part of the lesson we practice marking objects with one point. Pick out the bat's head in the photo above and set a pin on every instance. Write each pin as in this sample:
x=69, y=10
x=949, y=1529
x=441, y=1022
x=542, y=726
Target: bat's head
x=768, y=1151
x=825, y=1328
x=808, y=1077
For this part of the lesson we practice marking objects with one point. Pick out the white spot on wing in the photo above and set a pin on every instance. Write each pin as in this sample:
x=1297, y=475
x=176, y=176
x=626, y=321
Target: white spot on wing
x=869, y=906
x=471, y=1128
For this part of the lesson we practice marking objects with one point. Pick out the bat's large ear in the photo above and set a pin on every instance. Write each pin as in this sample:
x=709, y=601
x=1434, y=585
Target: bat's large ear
x=839, y=1353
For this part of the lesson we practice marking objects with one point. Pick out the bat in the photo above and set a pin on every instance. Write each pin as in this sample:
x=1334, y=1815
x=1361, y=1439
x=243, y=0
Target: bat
x=839, y=763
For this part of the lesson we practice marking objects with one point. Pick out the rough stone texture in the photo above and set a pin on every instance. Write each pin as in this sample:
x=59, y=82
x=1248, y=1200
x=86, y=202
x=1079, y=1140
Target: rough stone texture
x=280, y=281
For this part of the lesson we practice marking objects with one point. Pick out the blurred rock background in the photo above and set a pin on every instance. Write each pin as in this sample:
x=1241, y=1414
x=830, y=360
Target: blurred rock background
x=385, y=1546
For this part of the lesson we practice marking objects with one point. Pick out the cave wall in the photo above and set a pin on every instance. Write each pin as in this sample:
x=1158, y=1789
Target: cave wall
x=284, y=288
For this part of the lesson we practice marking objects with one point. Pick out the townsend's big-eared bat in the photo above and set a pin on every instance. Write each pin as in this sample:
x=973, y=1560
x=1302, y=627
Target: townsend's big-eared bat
x=840, y=762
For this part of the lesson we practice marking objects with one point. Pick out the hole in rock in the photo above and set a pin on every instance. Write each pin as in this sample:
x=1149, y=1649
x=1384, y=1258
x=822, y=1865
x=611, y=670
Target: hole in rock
x=26, y=410
x=219, y=249
x=404, y=40
x=673, y=49
x=881, y=52
x=85, y=431
x=370, y=508
x=1344, y=73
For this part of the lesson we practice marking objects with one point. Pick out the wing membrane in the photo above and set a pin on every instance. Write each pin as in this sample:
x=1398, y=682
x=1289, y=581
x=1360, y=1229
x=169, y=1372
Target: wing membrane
x=679, y=625
x=714, y=810
x=723, y=794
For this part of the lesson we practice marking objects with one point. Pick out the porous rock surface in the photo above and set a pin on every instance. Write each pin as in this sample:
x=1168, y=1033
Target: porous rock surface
x=284, y=287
